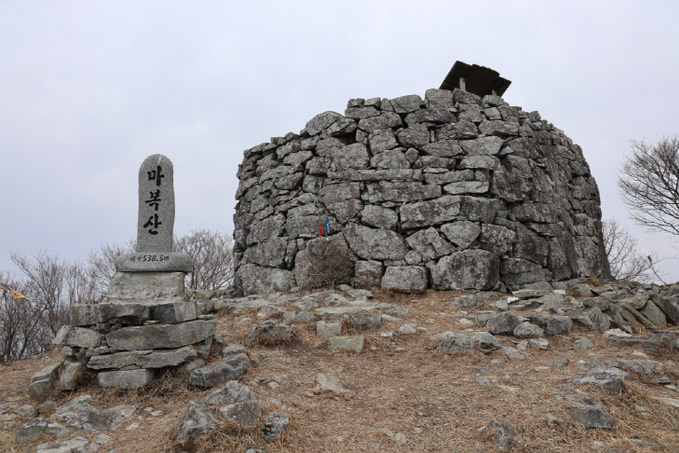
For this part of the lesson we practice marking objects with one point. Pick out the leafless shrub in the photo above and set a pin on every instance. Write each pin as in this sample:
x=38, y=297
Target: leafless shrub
x=325, y=263
x=22, y=329
x=650, y=184
x=212, y=254
x=621, y=249
x=101, y=265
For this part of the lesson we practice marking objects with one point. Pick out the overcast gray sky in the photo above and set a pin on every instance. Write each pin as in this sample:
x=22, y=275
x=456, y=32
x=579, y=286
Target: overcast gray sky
x=89, y=89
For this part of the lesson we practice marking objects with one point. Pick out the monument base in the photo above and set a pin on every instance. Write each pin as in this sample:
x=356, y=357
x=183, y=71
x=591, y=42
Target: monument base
x=154, y=262
x=150, y=288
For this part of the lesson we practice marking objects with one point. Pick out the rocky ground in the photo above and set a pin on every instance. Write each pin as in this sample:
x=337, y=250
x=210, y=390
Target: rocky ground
x=593, y=369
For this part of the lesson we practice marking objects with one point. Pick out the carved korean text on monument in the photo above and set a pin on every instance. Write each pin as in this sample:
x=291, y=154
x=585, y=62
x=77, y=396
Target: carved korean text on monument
x=156, y=205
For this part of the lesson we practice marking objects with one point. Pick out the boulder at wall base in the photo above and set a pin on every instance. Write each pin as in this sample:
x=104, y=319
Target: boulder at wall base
x=469, y=269
x=258, y=279
x=405, y=279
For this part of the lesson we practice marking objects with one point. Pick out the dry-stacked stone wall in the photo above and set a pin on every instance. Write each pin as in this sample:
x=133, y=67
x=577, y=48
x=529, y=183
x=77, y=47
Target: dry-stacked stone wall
x=451, y=192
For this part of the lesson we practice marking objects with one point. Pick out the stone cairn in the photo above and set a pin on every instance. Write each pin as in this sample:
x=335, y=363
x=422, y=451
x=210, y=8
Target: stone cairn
x=145, y=322
x=458, y=190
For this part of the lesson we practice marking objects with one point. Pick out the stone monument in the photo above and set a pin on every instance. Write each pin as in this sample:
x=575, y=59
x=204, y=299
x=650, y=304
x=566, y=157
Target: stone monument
x=154, y=272
x=145, y=322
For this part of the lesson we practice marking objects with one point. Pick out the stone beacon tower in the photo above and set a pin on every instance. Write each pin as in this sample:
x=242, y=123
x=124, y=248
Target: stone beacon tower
x=458, y=190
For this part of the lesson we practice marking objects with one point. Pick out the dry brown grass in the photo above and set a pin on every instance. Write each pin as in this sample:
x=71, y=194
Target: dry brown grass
x=400, y=383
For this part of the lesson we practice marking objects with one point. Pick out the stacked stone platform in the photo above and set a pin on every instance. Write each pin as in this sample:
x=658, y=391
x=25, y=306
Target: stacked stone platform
x=126, y=343
x=453, y=191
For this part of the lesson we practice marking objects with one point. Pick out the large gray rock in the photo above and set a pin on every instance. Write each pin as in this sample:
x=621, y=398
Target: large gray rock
x=321, y=122
x=364, y=321
x=175, y=312
x=517, y=272
x=375, y=244
x=468, y=269
x=132, y=313
x=233, y=392
x=402, y=104
x=328, y=329
x=391, y=158
x=146, y=287
x=503, y=323
x=71, y=375
x=593, y=319
x=90, y=314
x=126, y=379
x=80, y=414
x=265, y=229
x=482, y=145
x=160, y=358
x=368, y=274
x=486, y=342
x=379, y=217
x=528, y=330
x=270, y=252
x=43, y=380
x=74, y=445
x=161, y=336
x=39, y=427
x=454, y=343
x=274, y=425
x=351, y=157
x=385, y=120
x=670, y=306
x=77, y=337
x=269, y=332
x=257, y=279
x=347, y=343
x=429, y=244
x=431, y=212
x=654, y=315
x=220, y=372
x=462, y=233
x=506, y=435
x=591, y=417
x=196, y=420
x=405, y=279
x=552, y=325
x=244, y=414
x=611, y=381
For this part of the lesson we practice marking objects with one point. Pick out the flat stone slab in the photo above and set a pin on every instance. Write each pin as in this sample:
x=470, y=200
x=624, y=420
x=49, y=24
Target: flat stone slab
x=143, y=359
x=146, y=287
x=348, y=343
x=215, y=374
x=154, y=262
x=127, y=379
x=161, y=336
x=39, y=427
x=80, y=414
x=173, y=312
x=77, y=337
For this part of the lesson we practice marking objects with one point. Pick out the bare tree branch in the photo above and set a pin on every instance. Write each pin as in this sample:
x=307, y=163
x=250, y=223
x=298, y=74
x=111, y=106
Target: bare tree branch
x=623, y=258
x=650, y=185
x=212, y=254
